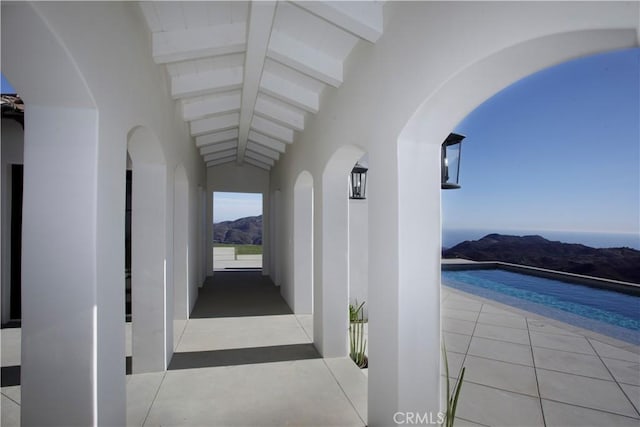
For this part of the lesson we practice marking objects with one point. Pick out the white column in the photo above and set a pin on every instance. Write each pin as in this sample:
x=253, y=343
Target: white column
x=303, y=247
x=331, y=281
x=149, y=268
x=266, y=233
x=180, y=244
x=419, y=277
x=64, y=380
x=404, y=283
x=209, y=232
x=204, y=246
x=359, y=253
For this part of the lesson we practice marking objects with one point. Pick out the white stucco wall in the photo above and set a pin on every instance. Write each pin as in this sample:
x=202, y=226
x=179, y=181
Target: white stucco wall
x=95, y=56
x=359, y=253
x=426, y=45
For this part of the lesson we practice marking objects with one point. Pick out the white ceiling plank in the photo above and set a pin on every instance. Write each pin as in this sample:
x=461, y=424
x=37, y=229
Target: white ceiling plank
x=150, y=15
x=362, y=19
x=195, y=14
x=259, y=157
x=203, y=65
x=221, y=161
x=272, y=129
x=294, y=76
x=286, y=91
x=213, y=124
x=267, y=141
x=193, y=109
x=216, y=137
x=181, y=45
x=215, y=148
x=305, y=58
x=260, y=23
x=219, y=155
x=279, y=112
x=170, y=16
x=195, y=84
x=257, y=163
x=261, y=149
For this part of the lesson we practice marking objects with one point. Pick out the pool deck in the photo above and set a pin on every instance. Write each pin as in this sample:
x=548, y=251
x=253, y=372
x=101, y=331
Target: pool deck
x=521, y=370
x=526, y=370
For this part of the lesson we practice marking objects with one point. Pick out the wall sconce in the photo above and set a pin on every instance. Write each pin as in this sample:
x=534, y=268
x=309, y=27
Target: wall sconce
x=450, y=162
x=358, y=182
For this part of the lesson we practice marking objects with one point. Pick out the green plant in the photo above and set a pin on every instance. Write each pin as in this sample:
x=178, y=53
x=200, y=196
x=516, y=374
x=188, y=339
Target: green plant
x=452, y=396
x=357, y=343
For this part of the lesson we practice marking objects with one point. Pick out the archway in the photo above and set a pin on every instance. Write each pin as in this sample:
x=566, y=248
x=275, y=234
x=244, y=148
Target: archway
x=331, y=290
x=419, y=214
x=151, y=289
x=63, y=251
x=302, y=297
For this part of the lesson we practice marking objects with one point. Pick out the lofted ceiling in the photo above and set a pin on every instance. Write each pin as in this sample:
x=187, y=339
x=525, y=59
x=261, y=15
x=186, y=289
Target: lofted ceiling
x=247, y=74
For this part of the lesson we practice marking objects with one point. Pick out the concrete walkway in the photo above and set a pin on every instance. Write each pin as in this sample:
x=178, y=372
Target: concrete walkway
x=244, y=359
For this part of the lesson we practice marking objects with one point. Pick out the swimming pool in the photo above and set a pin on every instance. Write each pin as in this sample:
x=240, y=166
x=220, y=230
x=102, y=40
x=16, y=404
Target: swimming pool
x=607, y=312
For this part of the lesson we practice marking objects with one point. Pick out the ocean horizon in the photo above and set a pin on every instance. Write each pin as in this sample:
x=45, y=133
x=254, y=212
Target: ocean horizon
x=450, y=238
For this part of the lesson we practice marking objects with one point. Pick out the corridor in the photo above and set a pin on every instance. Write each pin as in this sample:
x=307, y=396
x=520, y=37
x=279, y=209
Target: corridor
x=244, y=359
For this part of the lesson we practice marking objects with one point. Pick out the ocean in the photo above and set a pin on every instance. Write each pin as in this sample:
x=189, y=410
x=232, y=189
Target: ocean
x=451, y=238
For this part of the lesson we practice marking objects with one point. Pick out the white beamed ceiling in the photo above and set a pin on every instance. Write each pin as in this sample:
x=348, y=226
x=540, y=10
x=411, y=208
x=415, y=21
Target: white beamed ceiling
x=247, y=73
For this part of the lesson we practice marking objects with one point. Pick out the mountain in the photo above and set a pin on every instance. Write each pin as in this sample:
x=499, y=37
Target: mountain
x=536, y=251
x=242, y=231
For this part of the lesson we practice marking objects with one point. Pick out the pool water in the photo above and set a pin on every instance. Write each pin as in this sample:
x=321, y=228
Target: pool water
x=608, y=312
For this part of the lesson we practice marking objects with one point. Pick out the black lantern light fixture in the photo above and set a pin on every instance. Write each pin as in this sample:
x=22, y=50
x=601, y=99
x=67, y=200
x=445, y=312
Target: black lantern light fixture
x=358, y=182
x=450, y=163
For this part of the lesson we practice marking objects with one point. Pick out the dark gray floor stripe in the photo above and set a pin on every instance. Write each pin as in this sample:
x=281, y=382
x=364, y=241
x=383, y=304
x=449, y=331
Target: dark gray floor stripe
x=242, y=356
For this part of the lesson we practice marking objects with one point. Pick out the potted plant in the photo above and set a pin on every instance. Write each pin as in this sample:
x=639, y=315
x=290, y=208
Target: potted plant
x=357, y=343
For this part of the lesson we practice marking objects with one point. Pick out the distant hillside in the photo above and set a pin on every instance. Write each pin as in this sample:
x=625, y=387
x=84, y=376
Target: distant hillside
x=611, y=263
x=243, y=231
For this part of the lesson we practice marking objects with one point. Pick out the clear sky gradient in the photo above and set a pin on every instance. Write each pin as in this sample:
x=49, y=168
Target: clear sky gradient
x=558, y=150
x=231, y=206
x=5, y=86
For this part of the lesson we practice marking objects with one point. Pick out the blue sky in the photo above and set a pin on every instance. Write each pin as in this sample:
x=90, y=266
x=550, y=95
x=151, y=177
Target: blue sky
x=558, y=150
x=230, y=206
x=6, y=86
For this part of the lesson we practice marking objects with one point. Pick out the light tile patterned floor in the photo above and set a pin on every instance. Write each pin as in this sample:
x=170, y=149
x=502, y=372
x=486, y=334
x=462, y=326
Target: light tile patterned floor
x=524, y=370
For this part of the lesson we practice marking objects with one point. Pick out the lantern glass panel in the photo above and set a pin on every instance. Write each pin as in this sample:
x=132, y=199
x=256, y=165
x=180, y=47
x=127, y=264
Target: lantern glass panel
x=452, y=163
x=450, y=166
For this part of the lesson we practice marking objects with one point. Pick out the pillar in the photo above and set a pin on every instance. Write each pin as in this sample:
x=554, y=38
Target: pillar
x=71, y=373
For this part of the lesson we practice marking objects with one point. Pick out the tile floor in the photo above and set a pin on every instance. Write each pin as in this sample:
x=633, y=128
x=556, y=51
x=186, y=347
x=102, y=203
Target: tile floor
x=525, y=370
x=521, y=370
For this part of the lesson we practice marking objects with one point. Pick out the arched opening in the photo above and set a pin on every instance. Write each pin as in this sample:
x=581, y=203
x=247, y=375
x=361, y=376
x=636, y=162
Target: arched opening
x=302, y=289
x=331, y=281
x=181, y=295
x=151, y=288
x=419, y=214
x=63, y=252
x=237, y=231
